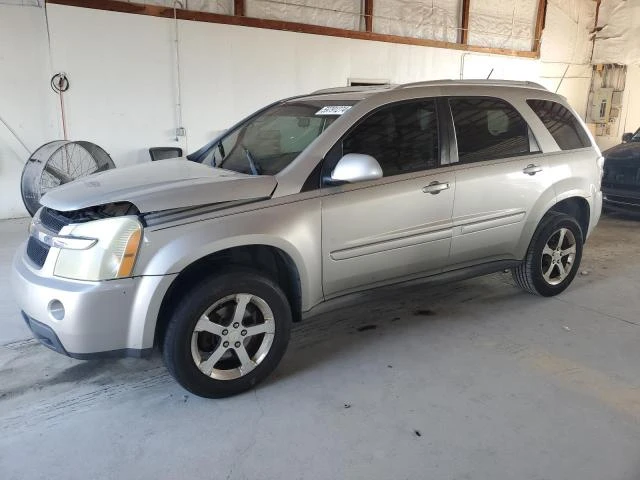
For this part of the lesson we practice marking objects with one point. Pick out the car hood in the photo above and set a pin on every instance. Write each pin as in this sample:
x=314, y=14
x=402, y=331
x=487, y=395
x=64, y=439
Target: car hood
x=160, y=185
x=624, y=151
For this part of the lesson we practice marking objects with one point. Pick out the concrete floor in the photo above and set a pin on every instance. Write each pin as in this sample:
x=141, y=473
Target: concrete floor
x=473, y=380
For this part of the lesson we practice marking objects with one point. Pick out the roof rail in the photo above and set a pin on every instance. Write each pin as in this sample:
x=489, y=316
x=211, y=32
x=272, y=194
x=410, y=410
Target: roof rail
x=352, y=89
x=478, y=82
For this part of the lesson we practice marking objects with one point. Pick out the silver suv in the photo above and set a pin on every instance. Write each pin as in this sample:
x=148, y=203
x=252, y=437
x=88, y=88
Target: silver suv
x=309, y=199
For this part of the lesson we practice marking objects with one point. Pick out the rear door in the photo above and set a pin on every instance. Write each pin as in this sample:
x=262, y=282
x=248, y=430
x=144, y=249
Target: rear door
x=398, y=226
x=501, y=176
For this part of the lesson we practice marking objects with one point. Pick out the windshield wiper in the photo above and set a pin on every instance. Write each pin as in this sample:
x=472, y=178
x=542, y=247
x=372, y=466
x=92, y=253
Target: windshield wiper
x=252, y=163
x=222, y=155
x=220, y=148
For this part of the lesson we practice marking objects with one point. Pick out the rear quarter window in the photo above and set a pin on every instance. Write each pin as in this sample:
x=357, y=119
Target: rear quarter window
x=563, y=126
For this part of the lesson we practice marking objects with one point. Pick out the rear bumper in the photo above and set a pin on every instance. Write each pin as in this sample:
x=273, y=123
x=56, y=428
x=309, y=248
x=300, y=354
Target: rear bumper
x=596, y=211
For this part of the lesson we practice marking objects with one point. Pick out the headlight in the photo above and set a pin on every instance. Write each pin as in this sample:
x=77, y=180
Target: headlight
x=112, y=256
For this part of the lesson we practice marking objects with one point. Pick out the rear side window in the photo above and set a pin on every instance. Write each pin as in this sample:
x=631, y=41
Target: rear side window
x=561, y=123
x=488, y=129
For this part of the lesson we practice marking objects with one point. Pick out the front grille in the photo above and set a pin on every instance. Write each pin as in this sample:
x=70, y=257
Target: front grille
x=37, y=251
x=53, y=220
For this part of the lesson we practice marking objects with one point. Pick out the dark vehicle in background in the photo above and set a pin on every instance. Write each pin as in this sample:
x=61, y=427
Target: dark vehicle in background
x=621, y=179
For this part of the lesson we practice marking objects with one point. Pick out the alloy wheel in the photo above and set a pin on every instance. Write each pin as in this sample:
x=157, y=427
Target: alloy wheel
x=233, y=336
x=558, y=256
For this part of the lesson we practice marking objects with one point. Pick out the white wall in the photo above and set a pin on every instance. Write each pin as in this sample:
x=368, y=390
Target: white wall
x=121, y=75
x=123, y=89
x=566, y=50
x=26, y=108
x=630, y=118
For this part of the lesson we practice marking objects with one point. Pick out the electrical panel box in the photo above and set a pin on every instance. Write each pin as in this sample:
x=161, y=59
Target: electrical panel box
x=616, y=98
x=601, y=105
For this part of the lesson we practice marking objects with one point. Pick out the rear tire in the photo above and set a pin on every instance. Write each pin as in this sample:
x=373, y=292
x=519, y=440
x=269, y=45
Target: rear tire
x=553, y=257
x=227, y=334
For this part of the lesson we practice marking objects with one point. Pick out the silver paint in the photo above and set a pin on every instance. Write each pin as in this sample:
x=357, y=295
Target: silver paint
x=158, y=186
x=356, y=167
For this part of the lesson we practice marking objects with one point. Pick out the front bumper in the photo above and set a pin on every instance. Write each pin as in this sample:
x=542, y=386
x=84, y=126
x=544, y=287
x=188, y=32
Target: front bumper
x=45, y=335
x=98, y=316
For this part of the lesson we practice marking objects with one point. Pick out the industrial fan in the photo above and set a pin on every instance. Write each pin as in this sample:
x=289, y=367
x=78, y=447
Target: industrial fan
x=59, y=162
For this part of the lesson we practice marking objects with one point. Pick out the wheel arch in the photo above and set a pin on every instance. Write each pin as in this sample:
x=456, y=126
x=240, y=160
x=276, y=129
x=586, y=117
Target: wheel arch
x=269, y=259
x=575, y=205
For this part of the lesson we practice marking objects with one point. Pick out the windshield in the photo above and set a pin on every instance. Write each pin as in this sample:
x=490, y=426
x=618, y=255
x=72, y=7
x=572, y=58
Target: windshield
x=268, y=142
x=636, y=136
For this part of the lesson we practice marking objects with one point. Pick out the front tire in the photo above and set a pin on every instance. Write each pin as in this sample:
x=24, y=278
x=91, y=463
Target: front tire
x=227, y=334
x=553, y=257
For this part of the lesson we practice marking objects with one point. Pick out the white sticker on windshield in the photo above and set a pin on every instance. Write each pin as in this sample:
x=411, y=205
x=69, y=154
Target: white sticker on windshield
x=333, y=110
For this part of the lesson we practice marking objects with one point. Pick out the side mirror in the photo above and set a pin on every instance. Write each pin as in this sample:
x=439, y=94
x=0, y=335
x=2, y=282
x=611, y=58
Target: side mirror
x=356, y=167
x=626, y=137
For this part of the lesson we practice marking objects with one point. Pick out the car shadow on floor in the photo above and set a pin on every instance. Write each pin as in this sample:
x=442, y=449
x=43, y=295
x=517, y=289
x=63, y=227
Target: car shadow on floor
x=427, y=309
x=419, y=308
x=626, y=215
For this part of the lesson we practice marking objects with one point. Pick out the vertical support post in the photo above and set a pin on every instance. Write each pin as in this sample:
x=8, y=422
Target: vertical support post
x=464, y=23
x=368, y=15
x=537, y=35
x=595, y=30
x=238, y=8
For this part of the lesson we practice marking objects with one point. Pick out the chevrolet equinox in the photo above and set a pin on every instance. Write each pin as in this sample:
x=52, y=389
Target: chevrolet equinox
x=311, y=198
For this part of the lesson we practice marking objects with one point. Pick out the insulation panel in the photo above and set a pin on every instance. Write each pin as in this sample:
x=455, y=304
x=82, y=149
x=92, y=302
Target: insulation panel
x=343, y=14
x=23, y=3
x=503, y=23
x=618, y=38
x=566, y=32
x=435, y=20
x=223, y=7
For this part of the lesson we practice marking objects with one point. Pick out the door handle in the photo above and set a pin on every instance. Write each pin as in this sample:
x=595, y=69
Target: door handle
x=435, y=187
x=532, y=169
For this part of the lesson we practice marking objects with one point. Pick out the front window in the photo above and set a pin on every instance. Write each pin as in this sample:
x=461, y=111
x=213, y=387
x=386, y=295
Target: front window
x=270, y=141
x=402, y=137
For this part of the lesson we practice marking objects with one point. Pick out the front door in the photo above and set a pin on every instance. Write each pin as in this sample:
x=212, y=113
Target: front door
x=397, y=227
